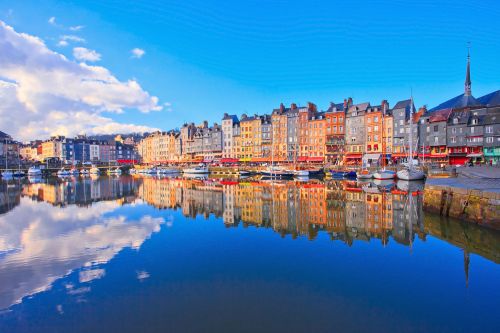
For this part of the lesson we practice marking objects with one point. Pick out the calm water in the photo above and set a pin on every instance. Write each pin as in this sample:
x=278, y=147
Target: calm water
x=172, y=255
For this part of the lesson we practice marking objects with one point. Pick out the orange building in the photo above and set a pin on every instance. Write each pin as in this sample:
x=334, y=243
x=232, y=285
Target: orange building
x=334, y=133
x=312, y=129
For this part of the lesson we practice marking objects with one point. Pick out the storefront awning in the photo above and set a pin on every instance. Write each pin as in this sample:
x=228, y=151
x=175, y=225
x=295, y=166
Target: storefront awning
x=371, y=156
x=302, y=159
x=474, y=155
x=229, y=160
x=315, y=159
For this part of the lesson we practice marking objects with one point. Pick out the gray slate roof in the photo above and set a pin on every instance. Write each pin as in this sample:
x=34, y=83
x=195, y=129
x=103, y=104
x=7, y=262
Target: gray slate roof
x=491, y=99
x=459, y=102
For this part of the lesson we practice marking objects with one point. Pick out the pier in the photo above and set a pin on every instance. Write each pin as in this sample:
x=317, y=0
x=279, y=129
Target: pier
x=473, y=196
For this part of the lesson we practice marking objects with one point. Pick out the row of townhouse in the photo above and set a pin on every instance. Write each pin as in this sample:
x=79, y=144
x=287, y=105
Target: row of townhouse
x=457, y=131
x=344, y=134
x=79, y=150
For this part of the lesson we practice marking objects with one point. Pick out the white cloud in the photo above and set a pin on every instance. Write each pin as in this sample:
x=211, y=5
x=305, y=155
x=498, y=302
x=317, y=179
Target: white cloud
x=72, y=38
x=137, y=53
x=76, y=27
x=62, y=43
x=84, y=54
x=66, y=39
x=52, y=20
x=43, y=93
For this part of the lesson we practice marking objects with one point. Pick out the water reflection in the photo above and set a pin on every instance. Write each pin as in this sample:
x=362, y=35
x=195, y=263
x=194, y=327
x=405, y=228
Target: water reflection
x=49, y=228
x=63, y=226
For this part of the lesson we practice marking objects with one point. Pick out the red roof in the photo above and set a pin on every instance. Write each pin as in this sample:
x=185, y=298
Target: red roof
x=441, y=115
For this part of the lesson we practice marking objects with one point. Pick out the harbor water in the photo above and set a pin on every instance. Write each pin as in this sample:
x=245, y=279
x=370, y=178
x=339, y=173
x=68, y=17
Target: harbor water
x=149, y=254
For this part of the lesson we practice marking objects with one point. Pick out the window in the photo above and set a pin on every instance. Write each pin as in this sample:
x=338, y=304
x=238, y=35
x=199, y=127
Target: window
x=472, y=129
x=489, y=129
x=453, y=130
x=489, y=139
x=428, y=129
x=436, y=139
x=436, y=128
x=453, y=140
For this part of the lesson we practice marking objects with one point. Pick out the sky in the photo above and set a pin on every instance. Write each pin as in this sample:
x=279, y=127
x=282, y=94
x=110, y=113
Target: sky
x=94, y=66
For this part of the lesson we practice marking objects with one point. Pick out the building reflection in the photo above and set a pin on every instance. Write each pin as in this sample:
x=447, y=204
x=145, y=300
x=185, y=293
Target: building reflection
x=82, y=191
x=348, y=211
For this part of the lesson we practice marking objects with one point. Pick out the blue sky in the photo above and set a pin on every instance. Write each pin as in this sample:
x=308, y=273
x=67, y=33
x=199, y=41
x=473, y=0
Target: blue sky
x=209, y=57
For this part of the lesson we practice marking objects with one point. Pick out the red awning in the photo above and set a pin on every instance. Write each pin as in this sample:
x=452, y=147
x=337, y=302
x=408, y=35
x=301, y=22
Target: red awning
x=126, y=161
x=315, y=159
x=229, y=160
x=228, y=182
x=302, y=159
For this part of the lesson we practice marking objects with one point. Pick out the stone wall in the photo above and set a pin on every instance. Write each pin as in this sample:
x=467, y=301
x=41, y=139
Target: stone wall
x=478, y=206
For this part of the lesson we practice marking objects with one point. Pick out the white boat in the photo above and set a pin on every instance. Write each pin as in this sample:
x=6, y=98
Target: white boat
x=243, y=173
x=301, y=173
x=410, y=173
x=116, y=171
x=167, y=171
x=7, y=174
x=364, y=174
x=277, y=172
x=196, y=170
x=132, y=171
x=84, y=172
x=74, y=171
x=63, y=172
x=34, y=171
x=94, y=170
x=384, y=174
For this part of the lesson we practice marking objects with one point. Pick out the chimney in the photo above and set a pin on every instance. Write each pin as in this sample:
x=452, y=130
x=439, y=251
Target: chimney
x=282, y=107
x=349, y=102
x=293, y=106
x=311, y=107
x=385, y=105
x=345, y=103
x=225, y=115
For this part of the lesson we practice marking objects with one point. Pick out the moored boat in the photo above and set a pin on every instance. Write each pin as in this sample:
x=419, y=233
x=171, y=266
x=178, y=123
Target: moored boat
x=196, y=170
x=34, y=171
x=384, y=174
x=94, y=170
x=410, y=173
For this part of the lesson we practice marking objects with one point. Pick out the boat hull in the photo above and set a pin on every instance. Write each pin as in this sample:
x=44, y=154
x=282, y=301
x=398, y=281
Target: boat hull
x=410, y=174
x=384, y=174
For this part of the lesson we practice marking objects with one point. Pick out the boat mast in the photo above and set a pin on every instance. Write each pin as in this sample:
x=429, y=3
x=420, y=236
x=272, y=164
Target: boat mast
x=410, y=140
x=383, y=141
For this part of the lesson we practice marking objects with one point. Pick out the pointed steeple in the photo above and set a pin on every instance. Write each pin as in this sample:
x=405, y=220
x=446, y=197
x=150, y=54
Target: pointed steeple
x=468, y=91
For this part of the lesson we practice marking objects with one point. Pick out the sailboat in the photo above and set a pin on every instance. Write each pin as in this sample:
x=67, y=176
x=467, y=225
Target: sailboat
x=410, y=172
x=383, y=173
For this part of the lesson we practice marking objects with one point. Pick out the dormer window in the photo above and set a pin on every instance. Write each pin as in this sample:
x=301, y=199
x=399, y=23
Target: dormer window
x=455, y=120
x=474, y=121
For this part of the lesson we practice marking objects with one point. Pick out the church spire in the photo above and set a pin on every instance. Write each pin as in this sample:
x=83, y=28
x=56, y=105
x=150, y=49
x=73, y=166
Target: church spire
x=468, y=91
